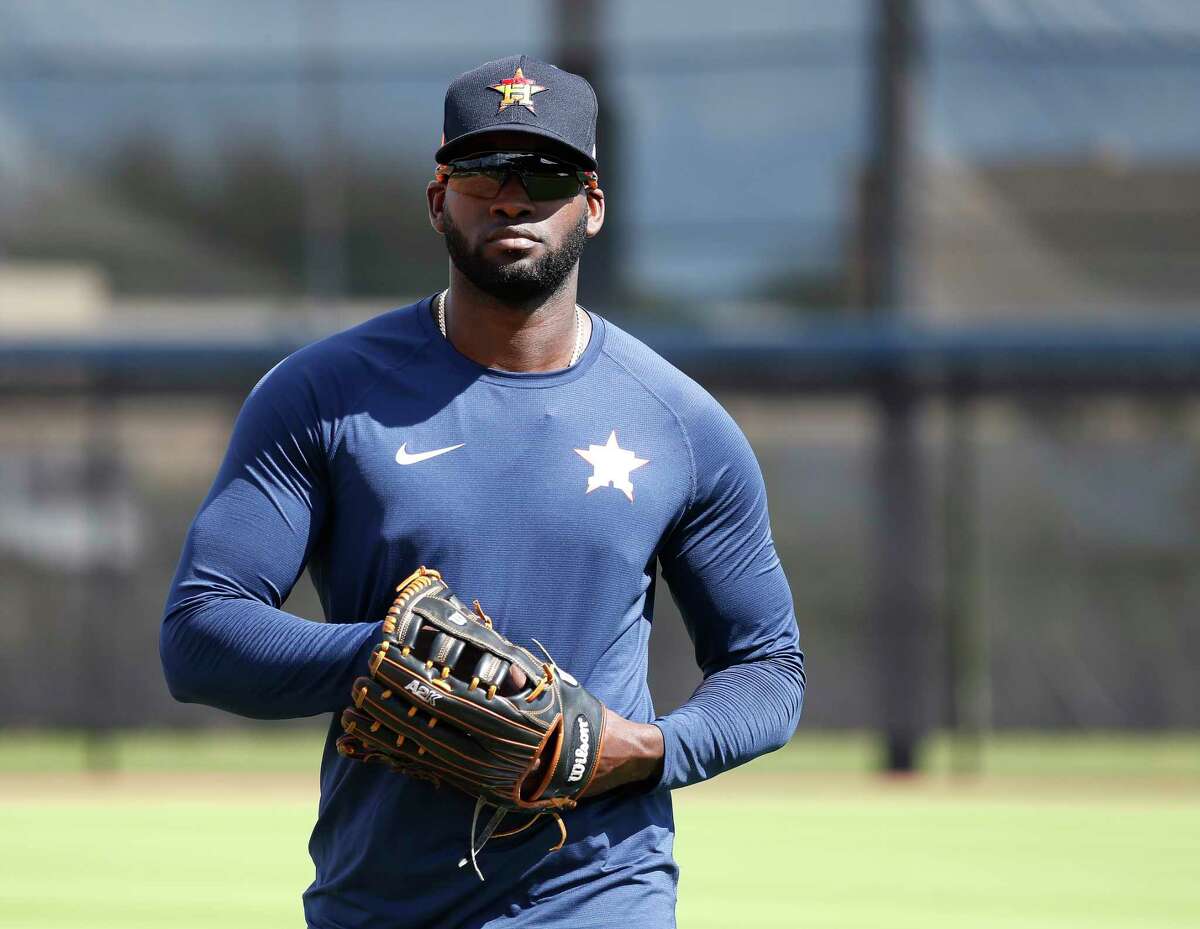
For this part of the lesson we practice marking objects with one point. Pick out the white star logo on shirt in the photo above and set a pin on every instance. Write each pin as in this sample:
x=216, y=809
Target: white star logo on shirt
x=611, y=465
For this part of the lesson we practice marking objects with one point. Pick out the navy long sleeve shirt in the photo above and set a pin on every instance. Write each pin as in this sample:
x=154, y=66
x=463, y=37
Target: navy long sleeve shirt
x=551, y=497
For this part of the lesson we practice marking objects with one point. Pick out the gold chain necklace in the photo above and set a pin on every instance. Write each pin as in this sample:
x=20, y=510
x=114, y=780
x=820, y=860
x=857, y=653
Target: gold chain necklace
x=575, y=352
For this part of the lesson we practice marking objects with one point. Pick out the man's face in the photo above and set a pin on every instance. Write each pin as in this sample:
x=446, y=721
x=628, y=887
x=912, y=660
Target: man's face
x=516, y=249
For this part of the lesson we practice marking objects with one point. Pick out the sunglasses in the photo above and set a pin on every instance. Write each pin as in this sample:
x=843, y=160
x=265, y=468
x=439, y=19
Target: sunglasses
x=543, y=178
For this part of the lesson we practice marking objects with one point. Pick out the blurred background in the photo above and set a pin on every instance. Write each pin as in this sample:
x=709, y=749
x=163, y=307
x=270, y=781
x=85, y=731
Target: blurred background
x=941, y=261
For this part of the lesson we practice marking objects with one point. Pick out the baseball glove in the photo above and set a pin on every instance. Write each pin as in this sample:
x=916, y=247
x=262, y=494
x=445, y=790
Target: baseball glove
x=449, y=699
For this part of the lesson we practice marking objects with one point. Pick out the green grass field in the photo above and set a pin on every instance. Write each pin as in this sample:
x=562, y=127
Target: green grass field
x=1057, y=832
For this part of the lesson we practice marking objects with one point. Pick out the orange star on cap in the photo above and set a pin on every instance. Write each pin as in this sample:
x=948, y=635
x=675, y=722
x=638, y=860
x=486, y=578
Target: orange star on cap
x=517, y=90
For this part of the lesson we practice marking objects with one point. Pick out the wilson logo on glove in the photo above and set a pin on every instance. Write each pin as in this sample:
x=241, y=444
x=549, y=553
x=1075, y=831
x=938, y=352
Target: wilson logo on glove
x=421, y=692
x=579, y=768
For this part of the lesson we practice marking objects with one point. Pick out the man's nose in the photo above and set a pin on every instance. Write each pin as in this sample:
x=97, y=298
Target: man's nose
x=512, y=200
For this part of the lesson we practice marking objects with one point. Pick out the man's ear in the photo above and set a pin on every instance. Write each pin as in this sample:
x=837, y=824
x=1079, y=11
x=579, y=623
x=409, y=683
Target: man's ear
x=435, y=194
x=595, y=208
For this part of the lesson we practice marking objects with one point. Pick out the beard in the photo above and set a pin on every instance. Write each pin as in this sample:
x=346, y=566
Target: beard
x=519, y=283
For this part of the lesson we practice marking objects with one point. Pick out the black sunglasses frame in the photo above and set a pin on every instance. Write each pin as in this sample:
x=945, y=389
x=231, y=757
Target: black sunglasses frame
x=501, y=165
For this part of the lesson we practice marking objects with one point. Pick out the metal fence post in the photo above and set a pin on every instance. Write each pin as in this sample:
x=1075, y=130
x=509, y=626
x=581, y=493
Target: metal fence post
x=967, y=688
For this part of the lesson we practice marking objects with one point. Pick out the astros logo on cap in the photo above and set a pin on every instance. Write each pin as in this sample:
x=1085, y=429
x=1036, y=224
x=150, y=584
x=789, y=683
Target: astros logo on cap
x=517, y=90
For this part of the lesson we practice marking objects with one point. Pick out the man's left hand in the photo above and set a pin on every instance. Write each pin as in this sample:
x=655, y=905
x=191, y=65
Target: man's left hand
x=632, y=753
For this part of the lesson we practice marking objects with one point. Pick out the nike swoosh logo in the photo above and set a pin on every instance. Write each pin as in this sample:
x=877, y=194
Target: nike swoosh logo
x=406, y=458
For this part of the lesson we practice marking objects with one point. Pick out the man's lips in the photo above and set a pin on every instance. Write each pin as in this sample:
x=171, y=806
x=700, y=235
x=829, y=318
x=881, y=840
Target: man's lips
x=513, y=237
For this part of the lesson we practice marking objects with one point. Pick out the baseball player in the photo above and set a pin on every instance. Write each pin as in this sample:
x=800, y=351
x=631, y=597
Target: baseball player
x=542, y=460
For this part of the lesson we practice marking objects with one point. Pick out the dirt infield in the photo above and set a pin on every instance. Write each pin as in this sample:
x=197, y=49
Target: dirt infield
x=124, y=786
x=737, y=786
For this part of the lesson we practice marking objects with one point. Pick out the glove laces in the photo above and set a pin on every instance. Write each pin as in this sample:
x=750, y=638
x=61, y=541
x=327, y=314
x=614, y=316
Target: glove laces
x=489, y=831
x=479, y=840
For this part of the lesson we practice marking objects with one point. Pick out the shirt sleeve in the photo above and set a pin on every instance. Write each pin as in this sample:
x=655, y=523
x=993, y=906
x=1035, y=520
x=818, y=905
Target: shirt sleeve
x=224, y=641
x=721, y=566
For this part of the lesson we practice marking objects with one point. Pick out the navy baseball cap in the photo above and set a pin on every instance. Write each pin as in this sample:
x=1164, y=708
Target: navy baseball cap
x=520, y=94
